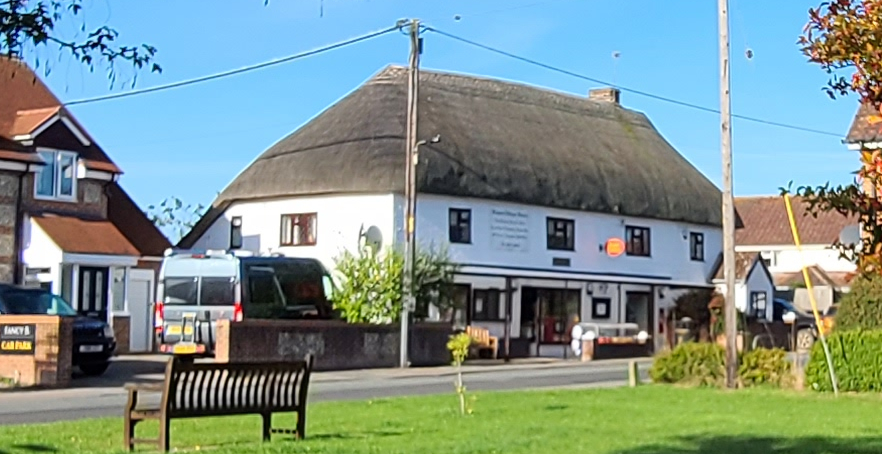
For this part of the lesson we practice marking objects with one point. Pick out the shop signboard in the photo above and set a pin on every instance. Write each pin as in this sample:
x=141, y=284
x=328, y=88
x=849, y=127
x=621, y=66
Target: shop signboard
x=18, y=339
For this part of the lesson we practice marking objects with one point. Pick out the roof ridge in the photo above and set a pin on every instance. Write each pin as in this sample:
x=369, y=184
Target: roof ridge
x=393, y=72
x=38, y=110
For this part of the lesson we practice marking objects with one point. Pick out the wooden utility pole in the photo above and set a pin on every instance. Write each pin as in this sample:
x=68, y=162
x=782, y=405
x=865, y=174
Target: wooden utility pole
x=729, y=313
x=413, y=72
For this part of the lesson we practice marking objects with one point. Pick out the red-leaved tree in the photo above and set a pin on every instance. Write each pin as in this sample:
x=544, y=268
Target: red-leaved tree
x=845, y=38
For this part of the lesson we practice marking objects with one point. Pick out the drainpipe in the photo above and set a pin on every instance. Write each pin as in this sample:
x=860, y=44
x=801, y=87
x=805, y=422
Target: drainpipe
x=18, y=232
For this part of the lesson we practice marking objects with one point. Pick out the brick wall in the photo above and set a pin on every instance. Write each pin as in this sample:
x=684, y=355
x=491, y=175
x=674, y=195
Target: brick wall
x=121, y=327
x=50, y=365
x=336, y=345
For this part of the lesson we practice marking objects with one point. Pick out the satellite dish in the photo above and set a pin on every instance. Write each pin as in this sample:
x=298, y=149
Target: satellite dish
x=851, y=236
x=372, y=237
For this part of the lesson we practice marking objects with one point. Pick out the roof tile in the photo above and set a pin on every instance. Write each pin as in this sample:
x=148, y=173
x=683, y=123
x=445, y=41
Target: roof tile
x=863, y=127
x=743, y=263
x=85, y=236
x=766, y=223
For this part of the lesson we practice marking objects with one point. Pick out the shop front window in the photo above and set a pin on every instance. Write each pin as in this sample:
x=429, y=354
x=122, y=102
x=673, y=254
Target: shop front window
x=558, y=310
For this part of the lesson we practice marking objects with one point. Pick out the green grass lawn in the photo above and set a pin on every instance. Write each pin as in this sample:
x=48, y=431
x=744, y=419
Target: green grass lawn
x=645, y=420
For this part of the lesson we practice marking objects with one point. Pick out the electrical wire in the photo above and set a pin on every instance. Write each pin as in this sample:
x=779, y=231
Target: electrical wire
x=235, y=71
x=625, y=89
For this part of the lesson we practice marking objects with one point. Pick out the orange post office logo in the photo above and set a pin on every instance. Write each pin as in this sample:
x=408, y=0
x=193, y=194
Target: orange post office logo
x=615, y=247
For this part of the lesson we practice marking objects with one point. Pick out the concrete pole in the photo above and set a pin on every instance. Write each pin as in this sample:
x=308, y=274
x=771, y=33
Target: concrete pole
x=410, y=189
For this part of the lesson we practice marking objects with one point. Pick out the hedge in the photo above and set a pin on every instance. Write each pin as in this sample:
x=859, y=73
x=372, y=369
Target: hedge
x=861, y=307
x=691, y=363
x=704, y=364
x=857, y=361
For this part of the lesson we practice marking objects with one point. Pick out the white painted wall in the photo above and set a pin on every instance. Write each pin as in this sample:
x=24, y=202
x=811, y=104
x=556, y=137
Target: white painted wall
x=338, y=223
x=340, y=217
x=40, y=251
x=787, y=259
x=670, y=250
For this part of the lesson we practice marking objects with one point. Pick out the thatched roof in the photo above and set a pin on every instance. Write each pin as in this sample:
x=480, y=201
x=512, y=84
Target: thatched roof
x=499, y=140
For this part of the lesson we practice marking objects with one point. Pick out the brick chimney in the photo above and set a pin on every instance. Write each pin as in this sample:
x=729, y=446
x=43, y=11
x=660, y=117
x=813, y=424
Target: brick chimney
x=607, y=94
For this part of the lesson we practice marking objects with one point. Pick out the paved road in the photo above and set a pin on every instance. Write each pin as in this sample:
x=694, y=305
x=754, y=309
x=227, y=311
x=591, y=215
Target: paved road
x=104, y=397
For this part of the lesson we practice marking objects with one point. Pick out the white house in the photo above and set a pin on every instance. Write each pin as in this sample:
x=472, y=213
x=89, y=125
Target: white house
x=754, y=285
x=574, y=206
x=766, y=230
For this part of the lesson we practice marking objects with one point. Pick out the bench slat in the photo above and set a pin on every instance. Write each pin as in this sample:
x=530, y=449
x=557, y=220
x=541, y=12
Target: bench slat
x=197, y=390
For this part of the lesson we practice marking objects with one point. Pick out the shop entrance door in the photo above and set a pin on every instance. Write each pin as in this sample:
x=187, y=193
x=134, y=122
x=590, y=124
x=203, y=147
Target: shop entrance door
x=638, y=309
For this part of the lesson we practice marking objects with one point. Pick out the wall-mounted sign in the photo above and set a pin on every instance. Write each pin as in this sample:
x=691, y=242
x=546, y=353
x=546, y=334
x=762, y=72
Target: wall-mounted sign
x=18, y=339
x=509, y=230
x=614, y=247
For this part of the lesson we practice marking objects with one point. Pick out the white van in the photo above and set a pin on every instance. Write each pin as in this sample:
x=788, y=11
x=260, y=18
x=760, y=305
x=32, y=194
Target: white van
x=198, y=288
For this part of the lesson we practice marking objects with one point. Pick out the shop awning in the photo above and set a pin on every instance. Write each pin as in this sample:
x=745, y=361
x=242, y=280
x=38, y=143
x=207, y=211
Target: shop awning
x=481, y=270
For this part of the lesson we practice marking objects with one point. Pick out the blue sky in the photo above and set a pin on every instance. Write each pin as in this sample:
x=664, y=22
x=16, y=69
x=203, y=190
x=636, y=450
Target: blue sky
x=190, y=142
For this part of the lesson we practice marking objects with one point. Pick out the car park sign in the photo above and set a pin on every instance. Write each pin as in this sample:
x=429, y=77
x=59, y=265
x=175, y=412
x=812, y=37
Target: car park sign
x=18, y=339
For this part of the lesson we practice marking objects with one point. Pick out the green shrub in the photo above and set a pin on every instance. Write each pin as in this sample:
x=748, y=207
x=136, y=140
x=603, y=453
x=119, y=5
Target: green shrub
x=861, y=308
x=691, y=363
x=764, y=367
x=857, y=361
x=704, y=364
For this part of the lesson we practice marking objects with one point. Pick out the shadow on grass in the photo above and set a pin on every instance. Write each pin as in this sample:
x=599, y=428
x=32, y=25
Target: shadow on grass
x=761, y=445
x=356, y=435
x=556, y=407
x=26, y=448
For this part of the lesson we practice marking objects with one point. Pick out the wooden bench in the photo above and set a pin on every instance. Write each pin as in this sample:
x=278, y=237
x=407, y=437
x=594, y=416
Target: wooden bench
x=482, y=340
x=221, y=389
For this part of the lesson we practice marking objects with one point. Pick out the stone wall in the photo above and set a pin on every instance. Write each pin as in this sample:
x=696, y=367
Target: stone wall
x=336, y=345
x=8, y=197
x=50, y=364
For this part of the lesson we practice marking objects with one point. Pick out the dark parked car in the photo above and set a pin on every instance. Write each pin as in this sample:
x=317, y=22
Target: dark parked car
x=806, y=328
x=93, y=342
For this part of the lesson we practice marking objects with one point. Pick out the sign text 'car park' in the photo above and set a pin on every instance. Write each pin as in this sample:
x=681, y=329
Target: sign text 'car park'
x=18, y=339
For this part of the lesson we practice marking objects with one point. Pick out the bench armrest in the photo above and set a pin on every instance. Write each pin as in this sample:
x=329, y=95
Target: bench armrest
x=144, y=387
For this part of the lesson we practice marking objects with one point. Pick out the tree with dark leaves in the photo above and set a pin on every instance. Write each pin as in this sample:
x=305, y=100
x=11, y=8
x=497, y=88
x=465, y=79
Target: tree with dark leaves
x=29, y=25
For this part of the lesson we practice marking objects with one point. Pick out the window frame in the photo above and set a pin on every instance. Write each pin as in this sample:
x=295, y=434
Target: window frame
x=555, y=225
x=295, y=220
x=754, y=308
x=485, y=315
x=456, y=225
x=234, y=229
x=770, y=258
x=645, y=239
x=696, y=241
x=57, y=176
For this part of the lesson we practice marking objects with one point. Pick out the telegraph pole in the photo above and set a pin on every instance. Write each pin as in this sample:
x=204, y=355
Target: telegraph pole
x=728, y=201
x=413, y=73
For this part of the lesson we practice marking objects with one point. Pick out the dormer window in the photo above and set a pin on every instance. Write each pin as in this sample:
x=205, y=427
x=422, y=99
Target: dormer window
x=57, y=179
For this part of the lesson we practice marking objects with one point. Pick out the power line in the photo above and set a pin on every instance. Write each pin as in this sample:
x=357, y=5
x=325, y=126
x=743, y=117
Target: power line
x=235, y=71
x=629, y=90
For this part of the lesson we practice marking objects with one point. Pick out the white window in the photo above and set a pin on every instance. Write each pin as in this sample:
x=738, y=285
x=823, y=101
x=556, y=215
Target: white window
x=770, y=257
x=57, y=179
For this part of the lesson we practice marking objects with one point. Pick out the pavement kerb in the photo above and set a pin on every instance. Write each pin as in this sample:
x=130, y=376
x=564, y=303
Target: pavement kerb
x=422, y=372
